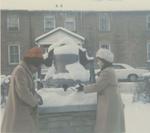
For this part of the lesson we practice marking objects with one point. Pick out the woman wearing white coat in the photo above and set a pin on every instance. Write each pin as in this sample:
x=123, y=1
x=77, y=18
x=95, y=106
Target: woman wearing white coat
x=110, y=109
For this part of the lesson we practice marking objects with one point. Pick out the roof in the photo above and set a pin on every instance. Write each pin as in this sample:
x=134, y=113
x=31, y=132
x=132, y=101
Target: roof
x=77, y=5
x=57, y=29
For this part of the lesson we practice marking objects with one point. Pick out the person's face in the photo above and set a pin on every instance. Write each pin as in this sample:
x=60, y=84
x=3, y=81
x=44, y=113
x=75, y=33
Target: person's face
x=99, y=62
x=34, y=69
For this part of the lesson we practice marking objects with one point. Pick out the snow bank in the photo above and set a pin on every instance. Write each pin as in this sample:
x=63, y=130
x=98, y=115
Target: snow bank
x=128, y=87
x=58, y=97
x=137, y=116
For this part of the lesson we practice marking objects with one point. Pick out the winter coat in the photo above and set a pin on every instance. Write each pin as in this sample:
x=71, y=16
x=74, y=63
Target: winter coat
x=20, y=114
x=110, y=112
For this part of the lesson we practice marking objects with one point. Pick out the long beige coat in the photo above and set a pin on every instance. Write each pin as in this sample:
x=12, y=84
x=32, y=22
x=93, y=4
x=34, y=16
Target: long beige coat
x=109, y=113
x=21, y=110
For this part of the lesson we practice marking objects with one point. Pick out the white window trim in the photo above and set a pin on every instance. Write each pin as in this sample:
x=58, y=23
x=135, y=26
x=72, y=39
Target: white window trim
x=49, y=16
x=103, y=43
x=107, y=16
x=9, y=53
x=147, y=21
x=148, y=46
x=74, y=22
x=18, y=22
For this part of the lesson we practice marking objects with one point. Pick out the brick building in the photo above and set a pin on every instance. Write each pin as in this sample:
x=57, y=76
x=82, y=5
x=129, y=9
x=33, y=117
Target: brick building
x=126, y=33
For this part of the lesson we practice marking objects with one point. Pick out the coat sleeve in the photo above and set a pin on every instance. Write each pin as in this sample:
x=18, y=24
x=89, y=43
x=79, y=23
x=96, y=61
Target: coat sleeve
x=101, y=84
x=23, y=90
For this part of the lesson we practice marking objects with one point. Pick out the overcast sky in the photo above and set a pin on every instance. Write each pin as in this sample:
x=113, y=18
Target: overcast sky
x=76, y=4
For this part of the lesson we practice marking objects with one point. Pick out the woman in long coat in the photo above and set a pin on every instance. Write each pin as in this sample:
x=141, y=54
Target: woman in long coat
x=110, y=109
x=21, y=110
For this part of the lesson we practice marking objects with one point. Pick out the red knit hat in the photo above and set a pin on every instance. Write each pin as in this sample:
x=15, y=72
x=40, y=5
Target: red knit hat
x=34, y=52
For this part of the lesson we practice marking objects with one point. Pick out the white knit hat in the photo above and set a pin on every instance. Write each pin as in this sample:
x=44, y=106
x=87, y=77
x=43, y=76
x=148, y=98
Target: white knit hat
x=105, y=54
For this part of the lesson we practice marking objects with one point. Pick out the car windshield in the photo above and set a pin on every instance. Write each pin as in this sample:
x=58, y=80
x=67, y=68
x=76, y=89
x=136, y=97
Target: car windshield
x=122, y=66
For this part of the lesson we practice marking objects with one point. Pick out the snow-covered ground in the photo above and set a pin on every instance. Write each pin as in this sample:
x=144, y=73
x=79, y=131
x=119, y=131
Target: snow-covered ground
x=137, y=114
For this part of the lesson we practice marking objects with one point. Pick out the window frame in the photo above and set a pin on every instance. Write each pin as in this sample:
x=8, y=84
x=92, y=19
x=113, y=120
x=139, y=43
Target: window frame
x=9, y=60
x=105, y=43
x=9, y=23
x=107, y=18
x=148, y=52
x=54, y=22
x=74, y=22
x=118, y=67
x=148, y=22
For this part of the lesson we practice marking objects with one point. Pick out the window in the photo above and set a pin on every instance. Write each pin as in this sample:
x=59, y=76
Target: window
x=45, y=48
x=70, y=23
x=148, y=51
x=148, y=22
x=49, y=23
x=104, y=22
x=13, y=23
x=104, y=44
x=118, y=67
x=13, y=54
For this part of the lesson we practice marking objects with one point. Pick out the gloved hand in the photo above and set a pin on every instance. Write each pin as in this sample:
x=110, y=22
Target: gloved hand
x=65, y=87
x=80, y=88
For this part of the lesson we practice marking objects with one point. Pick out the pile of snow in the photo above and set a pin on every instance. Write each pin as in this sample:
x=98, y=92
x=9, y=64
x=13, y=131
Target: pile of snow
x=62, y=76
x=58, y=97
x=128, y=87
x=65, y=45
x=78, y=72
x=137, y=116
x=75, y=72
x=66, y=49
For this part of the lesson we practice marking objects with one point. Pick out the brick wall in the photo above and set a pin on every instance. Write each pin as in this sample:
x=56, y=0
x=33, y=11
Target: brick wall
x=127, y=37
x=21, y=37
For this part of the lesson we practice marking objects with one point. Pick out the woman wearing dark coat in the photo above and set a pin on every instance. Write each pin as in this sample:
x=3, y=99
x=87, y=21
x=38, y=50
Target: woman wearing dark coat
x=110, y=109
x=20, y=114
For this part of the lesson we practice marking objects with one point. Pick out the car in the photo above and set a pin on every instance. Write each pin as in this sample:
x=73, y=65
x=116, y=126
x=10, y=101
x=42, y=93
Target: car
x=127, y=72
x=146, y=75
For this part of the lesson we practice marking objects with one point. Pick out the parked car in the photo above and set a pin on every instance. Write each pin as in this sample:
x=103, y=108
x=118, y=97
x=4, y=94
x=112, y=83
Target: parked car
x=146, y=75
x=127, y=72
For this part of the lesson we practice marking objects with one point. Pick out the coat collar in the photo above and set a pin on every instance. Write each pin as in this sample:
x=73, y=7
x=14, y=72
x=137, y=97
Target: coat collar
x=26, y=67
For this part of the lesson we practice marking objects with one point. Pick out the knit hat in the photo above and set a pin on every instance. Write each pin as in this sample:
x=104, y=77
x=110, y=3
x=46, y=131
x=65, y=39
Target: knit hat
x=105, y=54
x=34, y=52
x=34, y=56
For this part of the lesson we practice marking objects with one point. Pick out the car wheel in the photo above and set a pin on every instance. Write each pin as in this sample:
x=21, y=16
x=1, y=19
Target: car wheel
x=133, y=77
